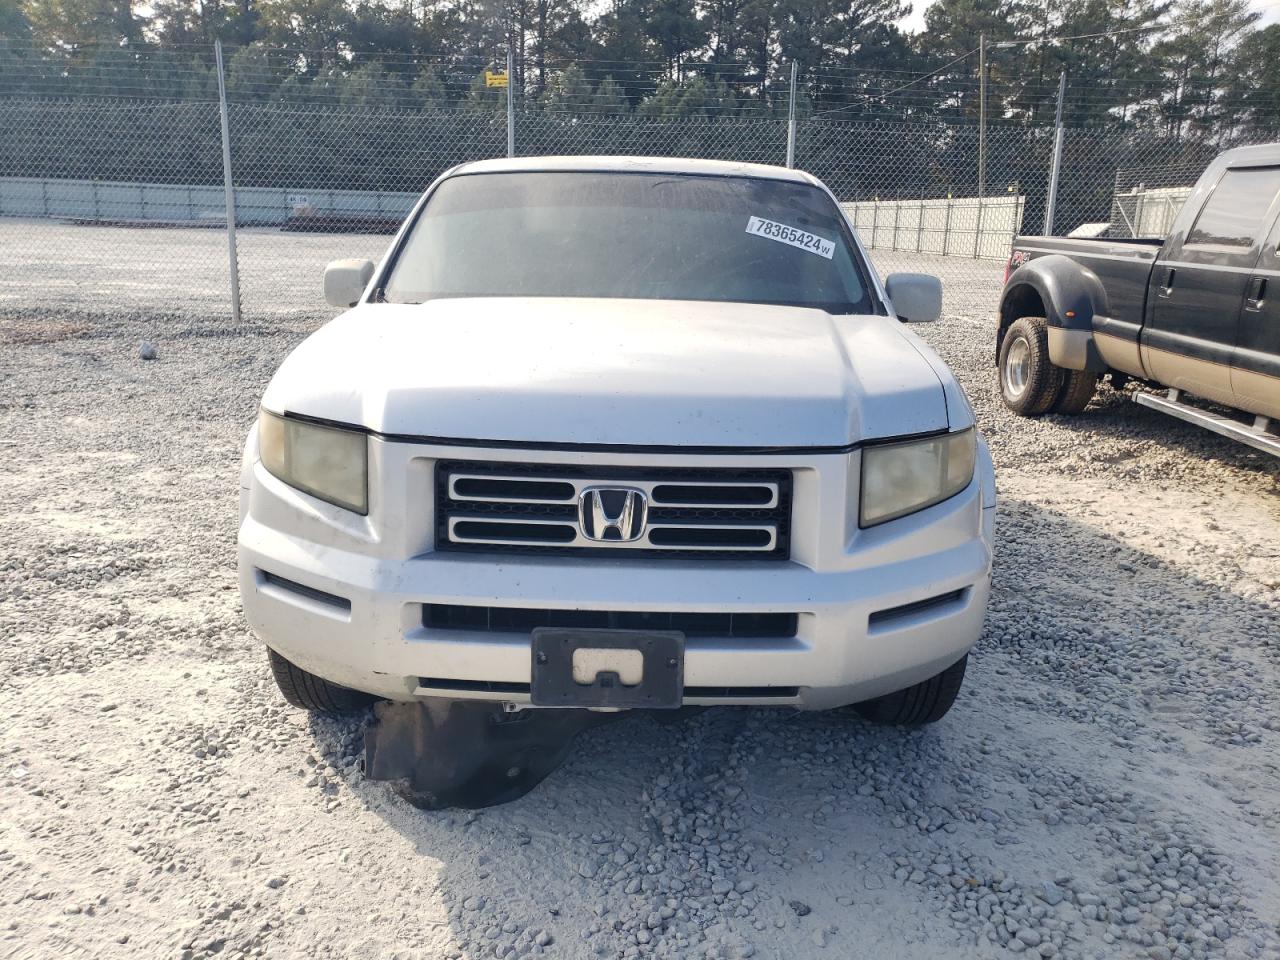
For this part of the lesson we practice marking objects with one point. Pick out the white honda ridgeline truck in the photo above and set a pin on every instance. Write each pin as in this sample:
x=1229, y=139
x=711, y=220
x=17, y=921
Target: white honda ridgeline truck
x=618, y=432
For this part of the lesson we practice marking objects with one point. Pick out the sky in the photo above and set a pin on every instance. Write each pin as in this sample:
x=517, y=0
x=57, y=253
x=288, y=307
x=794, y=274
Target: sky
x=1270, y=10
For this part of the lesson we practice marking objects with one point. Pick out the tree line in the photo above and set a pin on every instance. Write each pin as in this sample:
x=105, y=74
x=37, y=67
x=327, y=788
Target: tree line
x=1196, y=69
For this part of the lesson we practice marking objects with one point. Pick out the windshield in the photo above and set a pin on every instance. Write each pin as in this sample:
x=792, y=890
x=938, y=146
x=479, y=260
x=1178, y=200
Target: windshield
x=632, y=236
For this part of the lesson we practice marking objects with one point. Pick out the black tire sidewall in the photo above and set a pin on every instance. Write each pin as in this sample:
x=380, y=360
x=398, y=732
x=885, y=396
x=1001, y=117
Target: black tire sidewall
x=922, y=703
x=1078, y=388
x=309, y=692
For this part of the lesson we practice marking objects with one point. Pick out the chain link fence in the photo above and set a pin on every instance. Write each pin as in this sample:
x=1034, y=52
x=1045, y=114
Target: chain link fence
x=112, y=189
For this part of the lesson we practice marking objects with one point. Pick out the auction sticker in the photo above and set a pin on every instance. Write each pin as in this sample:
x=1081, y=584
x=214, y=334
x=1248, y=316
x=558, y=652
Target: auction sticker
x=772, y=230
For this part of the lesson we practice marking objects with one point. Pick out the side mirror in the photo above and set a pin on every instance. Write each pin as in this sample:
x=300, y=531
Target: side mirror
x=345, y=280
x=915, y=297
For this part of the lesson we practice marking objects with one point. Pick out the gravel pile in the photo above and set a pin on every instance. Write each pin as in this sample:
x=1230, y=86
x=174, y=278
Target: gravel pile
x=1107, y=786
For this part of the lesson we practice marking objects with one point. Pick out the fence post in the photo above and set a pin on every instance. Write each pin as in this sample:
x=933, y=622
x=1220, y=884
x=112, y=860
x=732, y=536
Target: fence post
x=1018, y=210
x=511, y=104
x=977, y=233
x=228, y=187
x=791, y=120
x=1055, y=168
x=920, y=225
x=982, y=115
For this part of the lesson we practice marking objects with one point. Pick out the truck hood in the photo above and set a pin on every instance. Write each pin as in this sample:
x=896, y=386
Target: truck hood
x=624, y=372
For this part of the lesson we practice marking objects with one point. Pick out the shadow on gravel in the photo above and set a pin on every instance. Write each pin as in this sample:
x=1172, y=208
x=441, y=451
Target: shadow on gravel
x=1091, y=787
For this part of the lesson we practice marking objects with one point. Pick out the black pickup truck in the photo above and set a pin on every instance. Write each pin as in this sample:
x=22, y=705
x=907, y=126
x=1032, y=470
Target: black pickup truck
x=1197, y=314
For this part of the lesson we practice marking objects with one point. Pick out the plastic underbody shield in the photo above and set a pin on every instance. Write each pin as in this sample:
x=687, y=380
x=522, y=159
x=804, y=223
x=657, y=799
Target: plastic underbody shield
x=456, y=753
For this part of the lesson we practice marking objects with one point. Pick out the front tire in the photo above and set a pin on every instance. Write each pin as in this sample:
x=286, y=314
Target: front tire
x=309, y=692
x=1029, y=382
x=925, y=702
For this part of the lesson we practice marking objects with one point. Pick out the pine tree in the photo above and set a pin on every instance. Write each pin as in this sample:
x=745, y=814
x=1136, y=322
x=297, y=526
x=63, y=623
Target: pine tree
x=609, y=98
x=676, y=30
x=953, y=30
x=1253, y=84
x=1194, y=58
x=368, y=87
x=428, y=91
x=14, y=24
x=568, y=91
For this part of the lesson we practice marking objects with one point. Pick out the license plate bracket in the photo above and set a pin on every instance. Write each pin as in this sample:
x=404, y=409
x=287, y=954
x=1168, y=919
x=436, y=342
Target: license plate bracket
x=661, y=683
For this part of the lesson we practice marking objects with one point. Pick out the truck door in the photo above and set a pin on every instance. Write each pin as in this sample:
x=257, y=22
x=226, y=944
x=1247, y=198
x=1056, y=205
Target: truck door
x=1255, y=375
x=1198, y=287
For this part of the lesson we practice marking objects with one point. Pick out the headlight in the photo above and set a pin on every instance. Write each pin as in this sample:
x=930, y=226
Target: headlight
x=327, y=462
x=901, y=478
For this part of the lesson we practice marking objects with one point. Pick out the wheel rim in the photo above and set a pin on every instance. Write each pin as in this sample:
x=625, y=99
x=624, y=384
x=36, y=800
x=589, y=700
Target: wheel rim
x=1017, y=367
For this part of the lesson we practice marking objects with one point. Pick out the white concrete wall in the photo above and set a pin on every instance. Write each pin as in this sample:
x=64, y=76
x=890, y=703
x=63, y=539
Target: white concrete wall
x=116, y=201
x=981, y=229
x=1144, y=212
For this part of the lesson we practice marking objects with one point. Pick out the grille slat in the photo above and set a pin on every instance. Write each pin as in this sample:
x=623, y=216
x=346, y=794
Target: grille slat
x=690, y=693
x=720, y=513
x=508, y=490
x=453, y=616
x=711, y=536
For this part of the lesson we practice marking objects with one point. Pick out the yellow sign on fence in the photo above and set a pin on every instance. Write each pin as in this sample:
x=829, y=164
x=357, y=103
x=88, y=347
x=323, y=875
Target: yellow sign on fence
x=492, y=79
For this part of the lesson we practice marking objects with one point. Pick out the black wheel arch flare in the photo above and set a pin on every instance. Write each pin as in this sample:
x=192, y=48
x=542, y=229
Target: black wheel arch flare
x=1055, y=287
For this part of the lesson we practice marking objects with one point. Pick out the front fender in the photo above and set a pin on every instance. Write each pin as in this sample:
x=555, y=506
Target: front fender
x=1070, y=295
x=987, y=479
x=247, y=460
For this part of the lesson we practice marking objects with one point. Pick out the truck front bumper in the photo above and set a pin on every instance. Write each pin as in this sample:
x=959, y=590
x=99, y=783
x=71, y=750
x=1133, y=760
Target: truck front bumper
x=874, y=611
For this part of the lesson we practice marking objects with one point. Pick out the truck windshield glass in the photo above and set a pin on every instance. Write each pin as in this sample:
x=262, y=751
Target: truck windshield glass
x=631, y=236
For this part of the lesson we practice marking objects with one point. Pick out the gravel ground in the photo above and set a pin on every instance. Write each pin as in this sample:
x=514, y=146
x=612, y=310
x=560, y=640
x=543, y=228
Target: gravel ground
x=147, y=270
x=1106, y=786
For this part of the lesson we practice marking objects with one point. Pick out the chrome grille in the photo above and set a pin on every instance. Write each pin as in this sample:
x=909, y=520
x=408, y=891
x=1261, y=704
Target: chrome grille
x=720, y=513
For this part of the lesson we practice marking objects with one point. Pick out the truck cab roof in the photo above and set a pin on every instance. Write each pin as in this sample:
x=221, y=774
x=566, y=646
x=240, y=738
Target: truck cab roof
x=1263, y=153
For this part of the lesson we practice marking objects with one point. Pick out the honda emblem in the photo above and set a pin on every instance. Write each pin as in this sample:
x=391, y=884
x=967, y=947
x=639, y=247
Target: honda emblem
x=612, y=514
